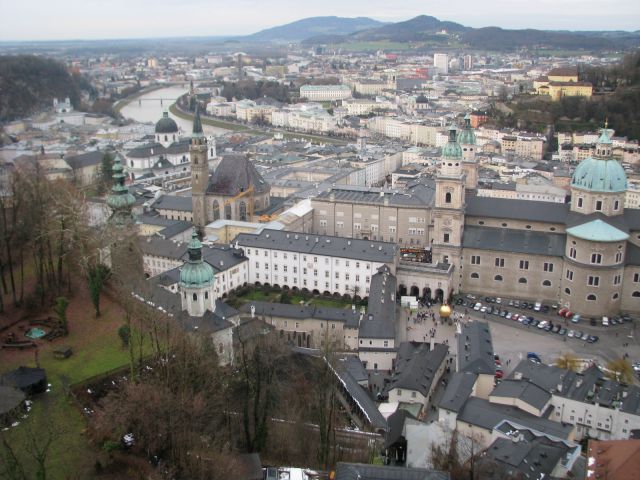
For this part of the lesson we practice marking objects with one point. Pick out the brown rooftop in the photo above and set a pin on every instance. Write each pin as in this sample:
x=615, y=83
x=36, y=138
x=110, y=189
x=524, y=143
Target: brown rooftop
x=563, y=72
x=613, y=460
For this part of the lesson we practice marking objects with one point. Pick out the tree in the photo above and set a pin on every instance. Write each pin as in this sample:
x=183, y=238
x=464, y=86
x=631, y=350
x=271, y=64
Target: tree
x=326, y=403
x=620, y=370
x=124, y=332
x=61, y=311
x=567, y=361
x=98, y=276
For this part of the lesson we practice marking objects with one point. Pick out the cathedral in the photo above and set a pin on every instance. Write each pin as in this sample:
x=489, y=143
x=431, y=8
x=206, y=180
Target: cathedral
x=234, y=191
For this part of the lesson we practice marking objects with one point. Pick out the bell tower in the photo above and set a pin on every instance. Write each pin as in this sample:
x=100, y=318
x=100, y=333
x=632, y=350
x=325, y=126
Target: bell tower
x=449, y=205
x=197, y=281
x=467, y=141
x=199, y=172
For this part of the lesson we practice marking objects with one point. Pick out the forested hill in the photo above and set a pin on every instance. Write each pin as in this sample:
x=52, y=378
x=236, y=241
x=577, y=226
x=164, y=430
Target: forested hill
x=29, y=83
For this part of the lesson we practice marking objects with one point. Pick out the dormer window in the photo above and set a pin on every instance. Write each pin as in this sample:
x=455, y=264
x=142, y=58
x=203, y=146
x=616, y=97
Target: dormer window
x=580, y=202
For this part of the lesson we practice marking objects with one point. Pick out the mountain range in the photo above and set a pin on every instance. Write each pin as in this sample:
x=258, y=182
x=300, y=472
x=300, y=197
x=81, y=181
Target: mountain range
x=429, y=30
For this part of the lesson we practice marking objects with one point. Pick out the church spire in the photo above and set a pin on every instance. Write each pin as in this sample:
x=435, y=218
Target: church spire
x=120, y=200
x=197, y=123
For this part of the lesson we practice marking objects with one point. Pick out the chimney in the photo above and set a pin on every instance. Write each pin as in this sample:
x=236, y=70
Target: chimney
x=517, y=375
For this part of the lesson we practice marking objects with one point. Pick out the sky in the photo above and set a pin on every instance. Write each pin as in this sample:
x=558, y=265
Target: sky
x=102, y=19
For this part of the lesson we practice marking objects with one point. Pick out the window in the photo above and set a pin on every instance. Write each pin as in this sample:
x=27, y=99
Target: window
x=447, y=197
x=572, y=252
x=546, y=283
x=616, y=205
x=195, y=297
x=596, y=258
x=615, y=296
x=392, y=229
x=617, y=279
x=636, y=277
x=475, y=259
x=598, y=205
x=591, y=297
x=500, y=262
x=593, y=281
x=413, y=394
x=548, y=267
x=504, y=224
x=475, y=275
x=446, y=238
x=635, y=294
x=522, y=280
x=579, y=202
x=567, y=291
x=498, y=278
x=569, y=275
x=285, y=268
x=618, y=257
x=386, y=343
x=524, y=264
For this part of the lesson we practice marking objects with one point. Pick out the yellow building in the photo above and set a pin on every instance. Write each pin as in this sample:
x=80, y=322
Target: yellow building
x=562, y=82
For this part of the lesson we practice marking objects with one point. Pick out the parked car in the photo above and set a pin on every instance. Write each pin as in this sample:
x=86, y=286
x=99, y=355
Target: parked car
x=571, y=334
x=537, y=306
x=548, y=327
x=605, y=321
x=516, y=303
x=511, y=303
x=593, y=322
x=592, y=338
x=578, y=335
x=477, y=307
x=504, y=314
x=575, y=319
x=562, y=311
x=508, y=315
x=543, y=324
x=499, y=374
x=556, y=329
x=534, y=356
x=563, y=331
x=483, y=310
x=545, y=309
x=498, y=300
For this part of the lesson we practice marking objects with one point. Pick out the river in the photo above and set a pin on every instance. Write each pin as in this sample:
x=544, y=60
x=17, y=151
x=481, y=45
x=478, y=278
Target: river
x=148, y=108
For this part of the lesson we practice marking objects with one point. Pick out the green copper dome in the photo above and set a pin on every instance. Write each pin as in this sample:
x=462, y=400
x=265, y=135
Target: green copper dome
x=467, y=136
x=120, y=200
x=196, y=273
x=452, y=149
x=166, y=124
x=601, y=173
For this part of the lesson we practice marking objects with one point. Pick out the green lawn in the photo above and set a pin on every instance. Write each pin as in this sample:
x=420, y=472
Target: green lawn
x=295, y=299
x=97, y=348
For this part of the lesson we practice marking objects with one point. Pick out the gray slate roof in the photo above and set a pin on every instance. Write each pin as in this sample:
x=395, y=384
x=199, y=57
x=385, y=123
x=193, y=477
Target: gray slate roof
x=347, y=316
x=515, y=241
x=524, y=390
x=236, y=174
x=458, y=390
x=360, y=471
x=416, y=366
x=173, y=202
x=83, y=160
x=475, y=349
x=517, y=209
x=351, y=248
x=421, y=195
x=380, y=319
x=482, y=413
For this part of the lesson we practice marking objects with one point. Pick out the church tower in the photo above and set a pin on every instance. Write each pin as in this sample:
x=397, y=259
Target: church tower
x=449, y=205
x=197, y=281
x=467, y=141
x=199, y=172
x=120, y=201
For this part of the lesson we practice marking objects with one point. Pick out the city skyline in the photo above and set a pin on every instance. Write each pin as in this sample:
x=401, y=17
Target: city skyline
x=79, y=20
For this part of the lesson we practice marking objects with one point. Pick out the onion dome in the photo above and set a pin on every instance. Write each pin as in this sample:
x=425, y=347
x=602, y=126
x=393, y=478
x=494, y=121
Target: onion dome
x=196, y=273
x=601, y=172
x=452, y=149
x=120, y=200
x=166, y=124
x=467, y=137
x=445, y=311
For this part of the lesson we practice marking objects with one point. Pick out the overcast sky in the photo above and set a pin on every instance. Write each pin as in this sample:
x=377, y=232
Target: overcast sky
x=94, y=19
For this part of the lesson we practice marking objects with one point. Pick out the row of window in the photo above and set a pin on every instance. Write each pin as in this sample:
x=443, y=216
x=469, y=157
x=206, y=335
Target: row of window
x=592, y=297
x=327, y=285
x=505, y=225
x=500, y=262
x=599, y=204
x=327, y=261
x=596, y=258
x=594, y=280
x=499, y=278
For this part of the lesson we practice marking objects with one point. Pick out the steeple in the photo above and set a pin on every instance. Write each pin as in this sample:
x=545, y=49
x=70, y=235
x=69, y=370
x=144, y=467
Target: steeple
x=196, y=281
x=120, y=200
x=197, y=123
x=452, y=150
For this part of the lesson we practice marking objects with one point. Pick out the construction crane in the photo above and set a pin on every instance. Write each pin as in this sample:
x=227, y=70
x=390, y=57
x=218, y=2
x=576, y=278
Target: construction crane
x=244, y=193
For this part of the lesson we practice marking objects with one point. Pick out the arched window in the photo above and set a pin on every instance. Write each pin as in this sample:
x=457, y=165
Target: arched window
x=635, y=294
x=475, y=275
x=498, y=278
x=216, y=210
x=227, y=212
x=615, y=296
x=243, y=211
x=195, y=297
x=546, y=283
x=567, y=291
x=165, y=138
x=206, y=295
x=447, y=197
x=591, y=297
x=522, y=280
